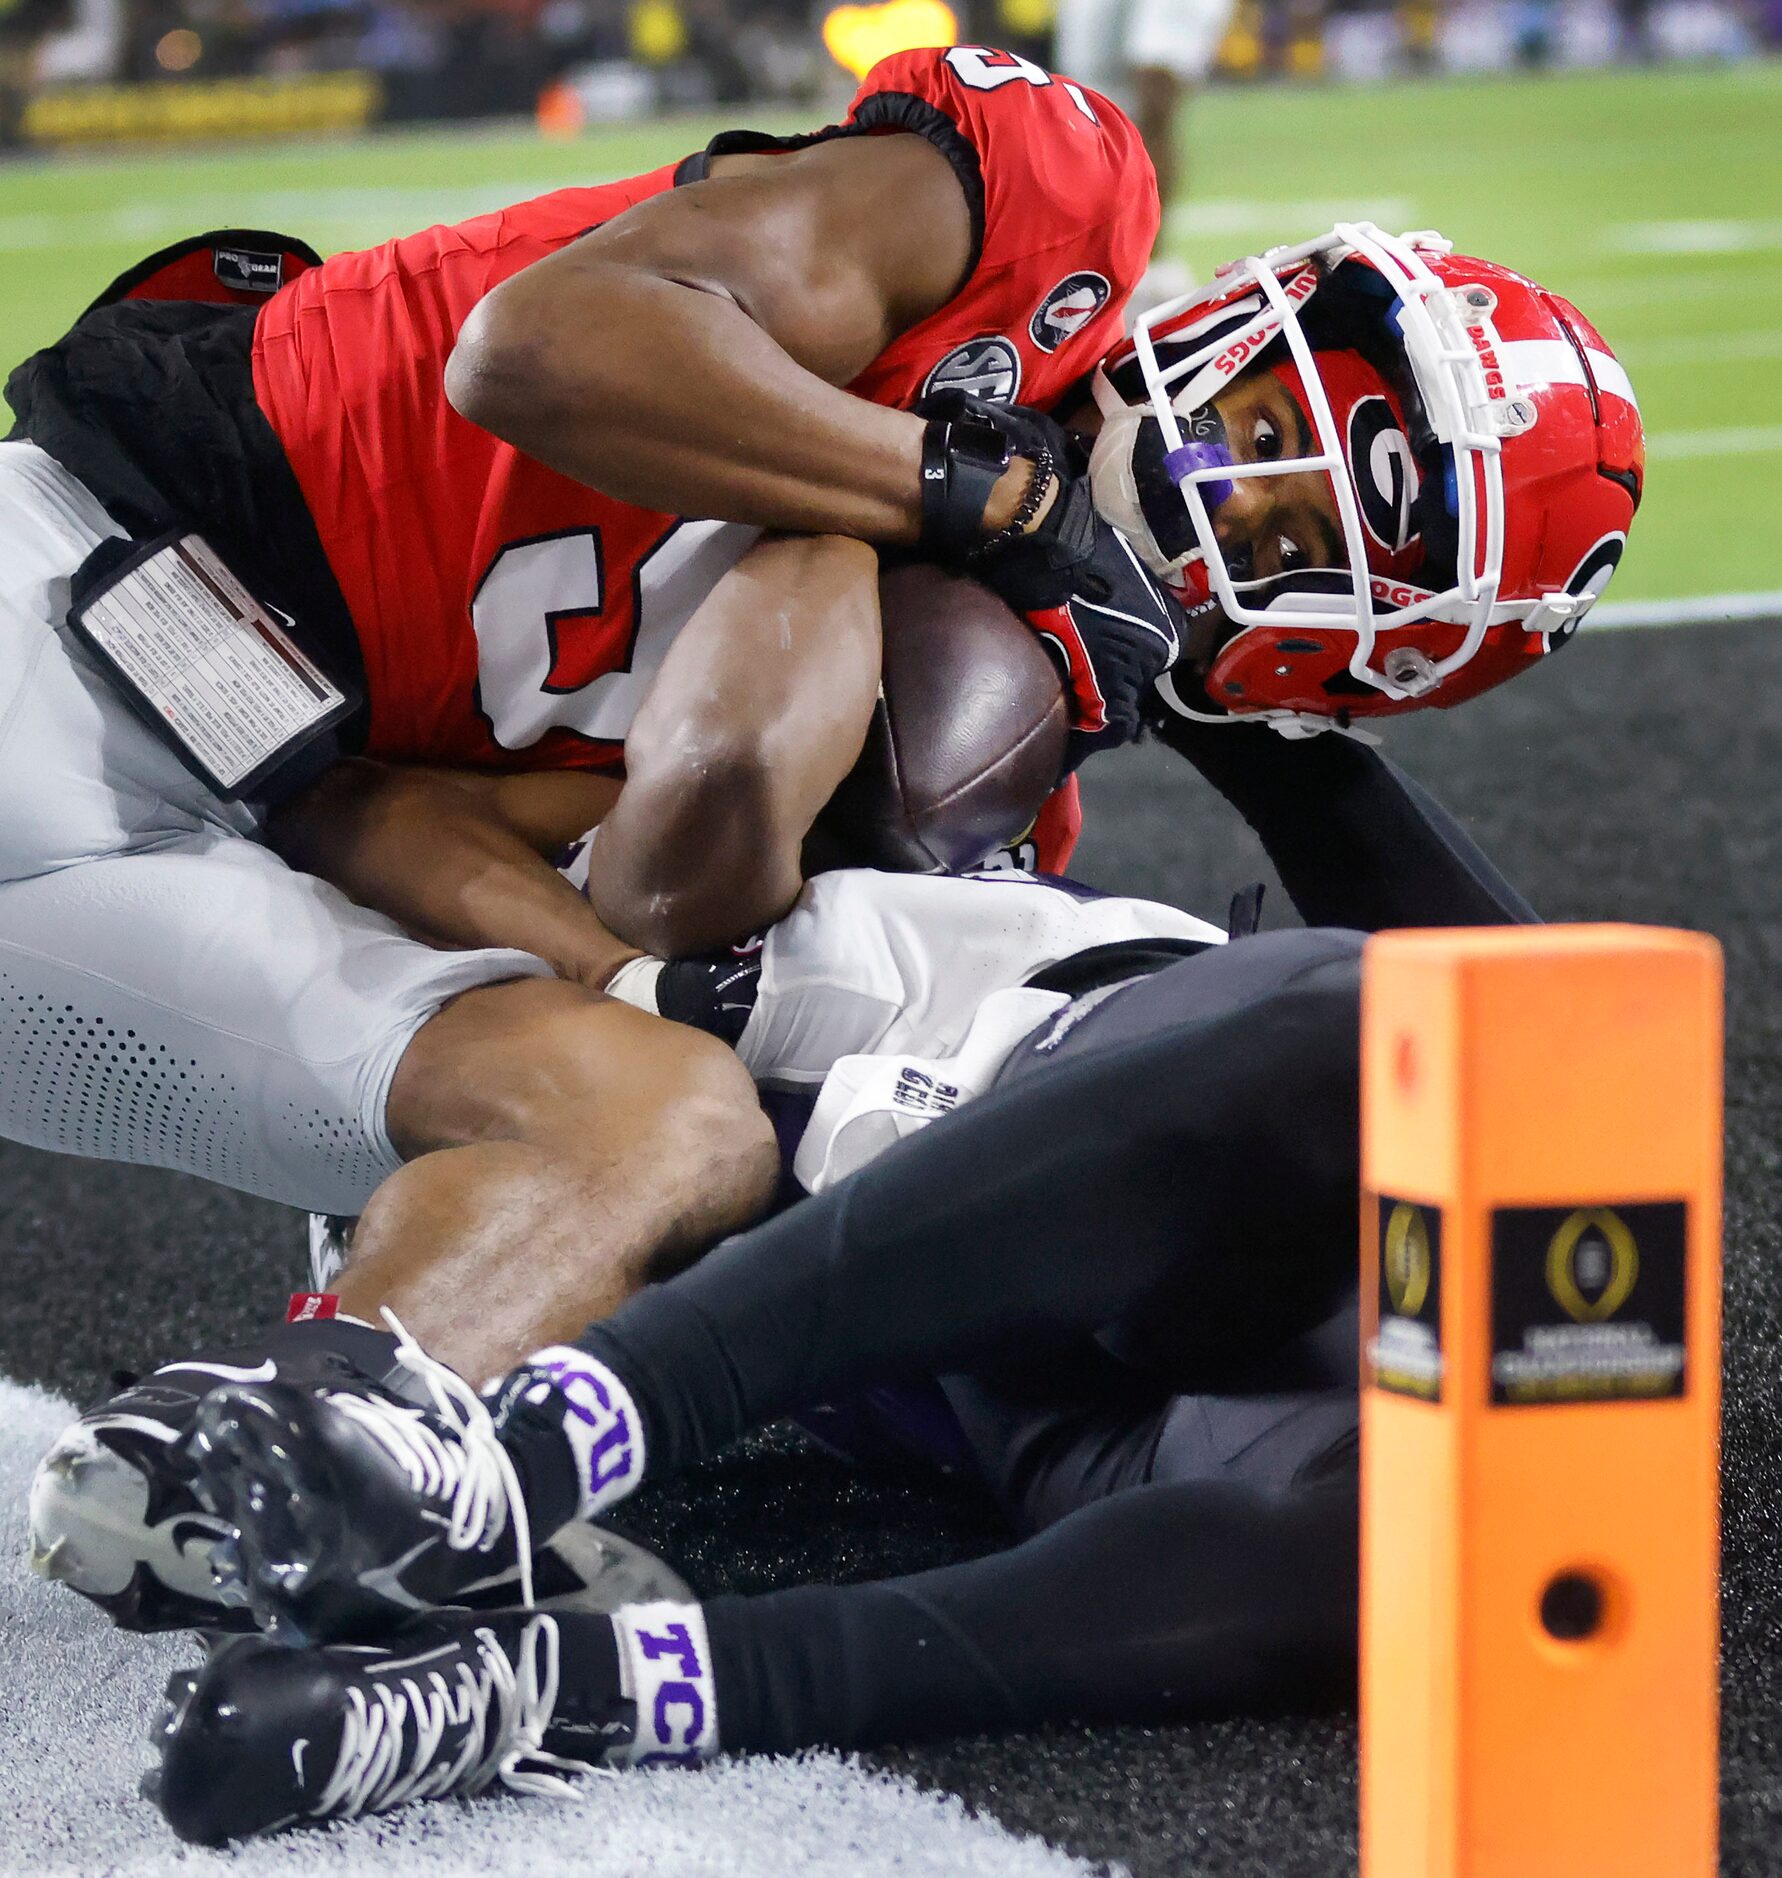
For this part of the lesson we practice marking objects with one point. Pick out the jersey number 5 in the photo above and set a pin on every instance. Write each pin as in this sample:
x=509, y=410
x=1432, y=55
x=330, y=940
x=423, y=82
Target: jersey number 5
x=559, y=649
x=985, y=70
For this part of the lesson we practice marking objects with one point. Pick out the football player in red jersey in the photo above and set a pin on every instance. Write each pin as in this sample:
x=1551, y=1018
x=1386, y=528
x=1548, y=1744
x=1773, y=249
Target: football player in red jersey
x=915, y=1684
x=492, y=1109
x=422, y=505
x=456, y=466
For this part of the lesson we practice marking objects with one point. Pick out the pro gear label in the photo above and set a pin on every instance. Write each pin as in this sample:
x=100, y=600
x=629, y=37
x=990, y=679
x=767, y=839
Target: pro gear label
x=247, y=271
x=1406, y=1353
x=1588, y=1303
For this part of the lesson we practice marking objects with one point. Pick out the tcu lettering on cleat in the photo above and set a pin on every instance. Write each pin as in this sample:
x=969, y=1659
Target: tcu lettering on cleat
x=598, y=1419
x=665, y=1662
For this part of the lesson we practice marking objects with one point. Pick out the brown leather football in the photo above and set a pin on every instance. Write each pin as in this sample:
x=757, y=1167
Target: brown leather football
x=968, y=738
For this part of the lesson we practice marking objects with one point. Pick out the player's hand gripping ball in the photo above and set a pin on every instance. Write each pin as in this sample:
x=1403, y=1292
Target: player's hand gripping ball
x=968, y=738
x=1110, y=624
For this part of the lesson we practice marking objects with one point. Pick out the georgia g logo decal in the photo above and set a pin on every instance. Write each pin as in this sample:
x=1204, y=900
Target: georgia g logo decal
x=1588, y=581
x=1385, y=473
x=986, y=368
x=1067, y=309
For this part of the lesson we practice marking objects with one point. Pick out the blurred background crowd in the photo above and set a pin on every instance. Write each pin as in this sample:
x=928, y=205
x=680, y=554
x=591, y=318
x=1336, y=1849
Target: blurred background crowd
x=70, y=68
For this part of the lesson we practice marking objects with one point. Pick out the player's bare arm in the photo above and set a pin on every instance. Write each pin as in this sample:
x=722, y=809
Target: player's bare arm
x=756, y=715
x=758, y=711
x=459, y=859
x=687, y=355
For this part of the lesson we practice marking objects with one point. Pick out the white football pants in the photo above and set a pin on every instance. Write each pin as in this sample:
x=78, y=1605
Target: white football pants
x=171, y=993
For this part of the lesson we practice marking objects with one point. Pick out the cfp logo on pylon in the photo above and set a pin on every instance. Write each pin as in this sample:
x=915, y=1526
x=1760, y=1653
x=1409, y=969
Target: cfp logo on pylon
x=1407, y=1259
x=1593, y=1265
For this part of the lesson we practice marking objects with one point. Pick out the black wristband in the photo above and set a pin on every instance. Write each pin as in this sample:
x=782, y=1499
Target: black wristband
x=962, y=462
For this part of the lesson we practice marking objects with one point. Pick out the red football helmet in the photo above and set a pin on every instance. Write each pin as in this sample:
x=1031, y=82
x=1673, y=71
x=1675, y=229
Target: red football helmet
x=1479, y=443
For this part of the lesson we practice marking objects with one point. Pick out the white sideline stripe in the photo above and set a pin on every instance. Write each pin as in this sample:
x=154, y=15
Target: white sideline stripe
x=79, y=1696
x=1706, y=348
x=387, y=210
x=1717, y=235
x=1285, y=220
x=1733, y=440
x=1706, y=610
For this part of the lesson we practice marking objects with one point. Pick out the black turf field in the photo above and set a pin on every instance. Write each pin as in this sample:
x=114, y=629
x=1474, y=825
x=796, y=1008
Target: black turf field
x=1639, y=777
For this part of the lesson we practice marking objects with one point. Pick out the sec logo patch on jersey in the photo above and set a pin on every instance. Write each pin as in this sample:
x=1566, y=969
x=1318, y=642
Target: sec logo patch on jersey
x=989, y=367
x=1067, y=309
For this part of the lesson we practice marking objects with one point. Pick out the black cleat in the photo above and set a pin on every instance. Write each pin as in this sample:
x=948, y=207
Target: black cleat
x=351, y=1509
x=262, y=1737
x=113, y=1514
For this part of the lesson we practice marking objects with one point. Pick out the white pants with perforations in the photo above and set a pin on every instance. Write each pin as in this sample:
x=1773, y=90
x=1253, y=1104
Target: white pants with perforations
x=171, y=993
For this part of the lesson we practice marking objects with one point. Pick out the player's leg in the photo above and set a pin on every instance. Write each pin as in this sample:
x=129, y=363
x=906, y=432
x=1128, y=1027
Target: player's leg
x=1045, y=1444
x=1188, y=1556
x=1170, y=46
x=1174, y=1172
x=1163, y=1603
x=1171, y=1168
x=1158, y=95
x=1199, y=1557
x=206, y=1009
x=172, y=994
x=1090, y=45
x=562, y=1150
x=520, y=1140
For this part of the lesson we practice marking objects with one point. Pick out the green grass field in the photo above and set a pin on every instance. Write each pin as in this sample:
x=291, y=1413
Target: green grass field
x=1653, y=199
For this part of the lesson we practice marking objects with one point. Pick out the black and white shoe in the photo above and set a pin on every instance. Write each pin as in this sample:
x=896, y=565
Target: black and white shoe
x=263, y=1737
x=113, y=1514
x=351, y=1508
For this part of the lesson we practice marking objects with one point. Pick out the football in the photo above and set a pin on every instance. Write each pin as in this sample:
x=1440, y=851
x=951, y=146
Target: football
x=968, y=737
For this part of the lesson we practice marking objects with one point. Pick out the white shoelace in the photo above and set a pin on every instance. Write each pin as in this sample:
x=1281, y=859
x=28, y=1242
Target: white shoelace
x=470, y=1466
x=393, y=1731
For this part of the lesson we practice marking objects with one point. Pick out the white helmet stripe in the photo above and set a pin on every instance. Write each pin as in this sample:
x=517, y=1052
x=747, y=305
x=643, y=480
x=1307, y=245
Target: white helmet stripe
x=1610, y=375
x=1555, y=362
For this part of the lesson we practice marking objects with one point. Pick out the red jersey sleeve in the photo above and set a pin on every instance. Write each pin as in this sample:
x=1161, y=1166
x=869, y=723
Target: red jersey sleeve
x=1064, y=208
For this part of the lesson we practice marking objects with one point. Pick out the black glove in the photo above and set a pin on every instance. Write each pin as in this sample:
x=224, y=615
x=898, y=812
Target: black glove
x=1117, y=632
x=969, y=444
x=1112, y=629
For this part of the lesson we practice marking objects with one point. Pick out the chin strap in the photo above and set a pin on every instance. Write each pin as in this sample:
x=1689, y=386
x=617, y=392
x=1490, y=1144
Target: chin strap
x=1295, y=726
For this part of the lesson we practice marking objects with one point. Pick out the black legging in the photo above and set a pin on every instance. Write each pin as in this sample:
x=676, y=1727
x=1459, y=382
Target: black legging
x=1179, y=1182
x=1161, y=1603
x=1174, y=1176
x=1176, y=1179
